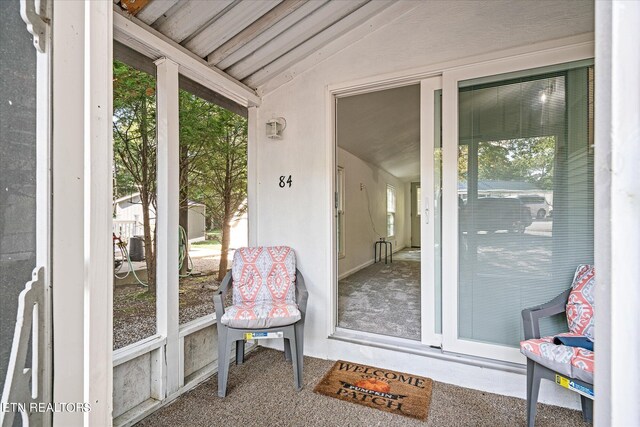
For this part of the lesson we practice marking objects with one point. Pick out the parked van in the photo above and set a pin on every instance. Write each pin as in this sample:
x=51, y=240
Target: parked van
x=491, y=214
x=538, y=205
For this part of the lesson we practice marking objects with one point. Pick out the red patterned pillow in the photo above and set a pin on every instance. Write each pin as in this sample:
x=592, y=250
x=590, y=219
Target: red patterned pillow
x=580, y=306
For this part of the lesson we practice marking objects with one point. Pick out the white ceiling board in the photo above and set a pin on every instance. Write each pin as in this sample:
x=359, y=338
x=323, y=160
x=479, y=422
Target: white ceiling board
x=190, y=17
x=294, y=36
x=350, y=37
x=270, y=33
x=300, y=52
x=154, y=10
x=383, y=129
x=265, y=22
x=231, y=23
x=266, y=43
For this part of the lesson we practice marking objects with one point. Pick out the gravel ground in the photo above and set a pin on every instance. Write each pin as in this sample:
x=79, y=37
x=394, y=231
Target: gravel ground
x=134, y=309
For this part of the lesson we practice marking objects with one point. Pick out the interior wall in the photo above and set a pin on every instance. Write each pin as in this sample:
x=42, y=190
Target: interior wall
x=359, y=230
x=433, y=32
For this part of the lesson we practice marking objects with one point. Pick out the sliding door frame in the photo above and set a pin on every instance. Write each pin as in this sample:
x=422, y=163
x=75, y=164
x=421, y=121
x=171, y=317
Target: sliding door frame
x=450, y=89
x=428, y=88
x=492, y=65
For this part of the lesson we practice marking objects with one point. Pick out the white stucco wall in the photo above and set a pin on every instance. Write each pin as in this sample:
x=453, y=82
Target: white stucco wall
x=430, y=34
x=239, y=231
x=358, y=229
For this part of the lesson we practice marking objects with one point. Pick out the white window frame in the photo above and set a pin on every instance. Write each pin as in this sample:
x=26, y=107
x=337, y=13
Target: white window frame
x=451, y=80
x=392, y=189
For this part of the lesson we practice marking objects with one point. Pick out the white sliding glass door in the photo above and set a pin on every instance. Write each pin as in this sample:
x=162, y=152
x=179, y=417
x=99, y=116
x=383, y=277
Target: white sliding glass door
x=519, y=194
x=430, y=208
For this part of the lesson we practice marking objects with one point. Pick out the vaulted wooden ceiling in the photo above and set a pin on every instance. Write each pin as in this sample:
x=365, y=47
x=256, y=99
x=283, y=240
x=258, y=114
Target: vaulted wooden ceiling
x=253, y=41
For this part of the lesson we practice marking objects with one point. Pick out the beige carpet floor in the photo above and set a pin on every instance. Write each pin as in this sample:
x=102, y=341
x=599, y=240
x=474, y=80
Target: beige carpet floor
x=261, y=393
x=370, y=299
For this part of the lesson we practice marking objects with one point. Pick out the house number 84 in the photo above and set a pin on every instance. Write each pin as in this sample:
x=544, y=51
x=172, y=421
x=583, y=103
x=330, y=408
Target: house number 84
x=282, y=182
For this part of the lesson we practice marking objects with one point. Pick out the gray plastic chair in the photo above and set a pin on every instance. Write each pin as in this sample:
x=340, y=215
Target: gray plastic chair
x=293, y=334
x=536, y=371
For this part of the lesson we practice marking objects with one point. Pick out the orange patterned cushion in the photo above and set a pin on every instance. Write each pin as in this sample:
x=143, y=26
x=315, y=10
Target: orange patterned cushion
x=580, y=306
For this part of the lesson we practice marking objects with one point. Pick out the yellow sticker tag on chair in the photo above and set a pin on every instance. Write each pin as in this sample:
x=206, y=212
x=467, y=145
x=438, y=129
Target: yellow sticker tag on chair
x=564, y=382
x=574, y=386
x=262, y=335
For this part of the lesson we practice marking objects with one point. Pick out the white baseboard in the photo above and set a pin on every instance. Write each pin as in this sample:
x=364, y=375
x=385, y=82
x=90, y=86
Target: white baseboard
x=355, y=269
x=363, y=265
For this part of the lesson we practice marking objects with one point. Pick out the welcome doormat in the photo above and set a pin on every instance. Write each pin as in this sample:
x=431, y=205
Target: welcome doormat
x=390, y=391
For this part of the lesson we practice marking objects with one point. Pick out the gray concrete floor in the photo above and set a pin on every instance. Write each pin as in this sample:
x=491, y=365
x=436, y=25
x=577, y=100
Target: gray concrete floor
x=261, y=393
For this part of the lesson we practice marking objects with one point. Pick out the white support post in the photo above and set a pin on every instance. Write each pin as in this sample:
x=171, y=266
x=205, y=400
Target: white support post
x=252, y=174
x=167, y=218
x=617, y=209
x=98, y=161
x=82, y=266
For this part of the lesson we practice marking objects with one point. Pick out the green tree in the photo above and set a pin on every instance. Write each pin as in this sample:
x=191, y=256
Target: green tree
x=195, y=134
x=212, y=162
x=135, y=148
x=523, y=159
x=218, y=175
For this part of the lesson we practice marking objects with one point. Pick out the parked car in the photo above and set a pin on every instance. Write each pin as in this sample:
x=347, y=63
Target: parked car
x=538, y=205
x=491, y=214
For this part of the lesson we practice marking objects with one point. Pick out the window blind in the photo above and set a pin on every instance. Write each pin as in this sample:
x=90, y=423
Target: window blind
x=525, y=196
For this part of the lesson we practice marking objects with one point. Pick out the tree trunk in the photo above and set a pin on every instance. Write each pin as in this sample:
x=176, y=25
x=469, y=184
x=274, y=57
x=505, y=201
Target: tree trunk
x=226, y=239
x=226, y=220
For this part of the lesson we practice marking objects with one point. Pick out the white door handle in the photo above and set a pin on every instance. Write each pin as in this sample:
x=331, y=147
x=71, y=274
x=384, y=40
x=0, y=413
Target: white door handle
x=426, y=210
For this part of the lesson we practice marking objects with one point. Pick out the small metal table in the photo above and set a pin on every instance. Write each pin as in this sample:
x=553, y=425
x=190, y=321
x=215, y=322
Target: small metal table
x=377, y=251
